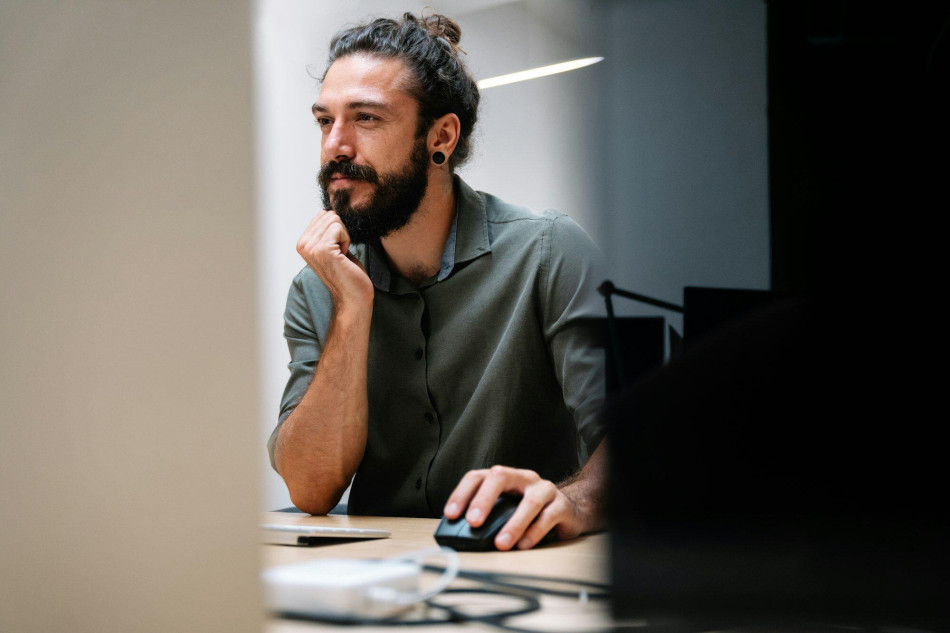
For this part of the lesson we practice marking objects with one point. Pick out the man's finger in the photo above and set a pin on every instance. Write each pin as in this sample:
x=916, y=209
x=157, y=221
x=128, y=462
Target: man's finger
x=557, y=511
x=336, y=234
x=344, y=236
x=536, y=497
x=463, y=493
x=500, y=479
x=318, y=223
x=314, y=231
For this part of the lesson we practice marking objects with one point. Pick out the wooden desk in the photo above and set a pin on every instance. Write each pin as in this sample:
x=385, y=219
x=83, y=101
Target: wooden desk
x=584, y=558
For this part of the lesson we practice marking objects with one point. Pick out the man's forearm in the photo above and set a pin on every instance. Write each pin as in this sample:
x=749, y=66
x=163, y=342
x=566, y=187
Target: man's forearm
x=320, y=445
x=587, y=489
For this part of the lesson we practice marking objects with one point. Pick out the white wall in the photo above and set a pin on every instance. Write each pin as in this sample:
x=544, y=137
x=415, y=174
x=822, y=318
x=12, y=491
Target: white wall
x=659, y=152
x=128, y=460
x=682, y=135
x=531, y=142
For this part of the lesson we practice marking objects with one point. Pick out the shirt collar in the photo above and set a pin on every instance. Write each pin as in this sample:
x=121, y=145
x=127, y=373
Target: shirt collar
x=377, y=267
x=448, y=255
x=472, y=219
x=468, y=239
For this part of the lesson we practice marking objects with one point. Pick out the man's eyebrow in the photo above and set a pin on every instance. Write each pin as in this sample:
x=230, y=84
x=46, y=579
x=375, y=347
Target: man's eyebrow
x=355, y=105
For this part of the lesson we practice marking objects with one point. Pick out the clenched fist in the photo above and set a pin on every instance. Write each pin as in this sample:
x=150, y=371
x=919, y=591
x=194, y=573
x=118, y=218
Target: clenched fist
x=325, y=245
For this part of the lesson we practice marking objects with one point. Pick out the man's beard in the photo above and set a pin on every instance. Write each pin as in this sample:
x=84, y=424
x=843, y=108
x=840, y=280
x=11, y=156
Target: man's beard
x=393, y=202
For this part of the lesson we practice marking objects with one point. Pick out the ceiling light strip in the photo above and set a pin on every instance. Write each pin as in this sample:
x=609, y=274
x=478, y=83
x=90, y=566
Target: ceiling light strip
x=534, y=73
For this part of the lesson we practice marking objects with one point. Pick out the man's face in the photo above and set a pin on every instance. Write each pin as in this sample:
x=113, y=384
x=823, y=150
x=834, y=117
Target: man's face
x=374, y=169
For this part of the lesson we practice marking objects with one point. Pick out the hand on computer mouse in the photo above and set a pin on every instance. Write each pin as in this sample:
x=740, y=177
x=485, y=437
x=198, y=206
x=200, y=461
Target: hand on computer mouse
x=543, y=506
x=460, y=535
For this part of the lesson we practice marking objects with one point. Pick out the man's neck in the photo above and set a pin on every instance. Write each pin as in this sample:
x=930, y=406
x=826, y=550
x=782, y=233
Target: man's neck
x=415, y=250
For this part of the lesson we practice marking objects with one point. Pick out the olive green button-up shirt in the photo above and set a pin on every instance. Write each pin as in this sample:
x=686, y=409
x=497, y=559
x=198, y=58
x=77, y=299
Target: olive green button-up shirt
x=488, y=362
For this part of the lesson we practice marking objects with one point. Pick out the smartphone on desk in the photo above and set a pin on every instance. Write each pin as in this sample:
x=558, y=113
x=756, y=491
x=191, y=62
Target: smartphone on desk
x=306, y=535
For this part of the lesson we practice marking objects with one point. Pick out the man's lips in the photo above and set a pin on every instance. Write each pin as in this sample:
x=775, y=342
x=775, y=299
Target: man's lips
x=340, y=180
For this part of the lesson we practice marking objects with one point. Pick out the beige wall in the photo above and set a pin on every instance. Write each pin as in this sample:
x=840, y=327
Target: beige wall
x=128, y=440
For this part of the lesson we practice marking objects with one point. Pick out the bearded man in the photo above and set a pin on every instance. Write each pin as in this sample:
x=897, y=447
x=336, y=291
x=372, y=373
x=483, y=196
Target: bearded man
x=439, y=355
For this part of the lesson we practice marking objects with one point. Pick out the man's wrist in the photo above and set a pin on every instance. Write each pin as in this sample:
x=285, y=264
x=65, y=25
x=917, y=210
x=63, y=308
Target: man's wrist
x=353, y=313
x=587, y=506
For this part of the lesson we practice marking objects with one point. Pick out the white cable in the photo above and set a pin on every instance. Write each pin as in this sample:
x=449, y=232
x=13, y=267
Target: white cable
x=392, y=596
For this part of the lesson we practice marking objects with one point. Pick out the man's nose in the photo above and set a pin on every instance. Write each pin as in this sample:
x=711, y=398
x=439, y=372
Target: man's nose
x=339, y=144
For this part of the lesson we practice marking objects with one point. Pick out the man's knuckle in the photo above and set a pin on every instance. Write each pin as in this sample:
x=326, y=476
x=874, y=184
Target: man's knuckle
x=534, y=497
x=498, y=471
x=558, y=507
x=473, y=475
x=530, y=475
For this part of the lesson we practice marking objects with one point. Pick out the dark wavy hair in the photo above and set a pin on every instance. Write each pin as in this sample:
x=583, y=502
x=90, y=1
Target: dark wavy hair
x=429, y=47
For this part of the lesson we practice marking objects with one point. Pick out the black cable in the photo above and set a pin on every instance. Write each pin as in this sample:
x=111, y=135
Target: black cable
x=553, y=580
x=503, y=579
x=530, y=605
x=497, y=619
x=327, y=619
x=528, y=593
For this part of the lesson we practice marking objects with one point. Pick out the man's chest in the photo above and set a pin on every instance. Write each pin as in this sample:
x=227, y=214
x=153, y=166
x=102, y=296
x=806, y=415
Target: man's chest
x=457, y=333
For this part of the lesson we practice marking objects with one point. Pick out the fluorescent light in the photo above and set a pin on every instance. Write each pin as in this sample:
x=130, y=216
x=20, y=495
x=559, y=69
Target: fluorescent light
x=534, y=73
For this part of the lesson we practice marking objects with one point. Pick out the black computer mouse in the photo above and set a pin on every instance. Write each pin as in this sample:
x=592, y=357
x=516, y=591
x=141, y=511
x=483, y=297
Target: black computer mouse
x=461, y=536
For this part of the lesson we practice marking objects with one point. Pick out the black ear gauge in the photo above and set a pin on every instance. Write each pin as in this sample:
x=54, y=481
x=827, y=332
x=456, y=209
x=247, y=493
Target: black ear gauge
x=438, y=158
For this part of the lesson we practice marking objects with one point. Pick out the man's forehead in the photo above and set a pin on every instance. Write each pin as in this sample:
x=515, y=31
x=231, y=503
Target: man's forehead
x=365, y=79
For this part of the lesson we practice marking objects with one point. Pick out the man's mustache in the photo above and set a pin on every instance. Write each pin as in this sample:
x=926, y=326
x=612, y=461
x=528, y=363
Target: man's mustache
x=346, y=169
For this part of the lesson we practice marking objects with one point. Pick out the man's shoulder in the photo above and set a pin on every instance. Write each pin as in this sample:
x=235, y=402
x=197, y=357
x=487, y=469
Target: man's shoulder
x=569, y=262
x=498, y=211
x=506, y=217
x=559, y=229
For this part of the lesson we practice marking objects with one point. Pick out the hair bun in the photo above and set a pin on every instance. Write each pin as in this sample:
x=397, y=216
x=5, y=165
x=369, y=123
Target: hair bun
x=428, y=46
x=441, y=26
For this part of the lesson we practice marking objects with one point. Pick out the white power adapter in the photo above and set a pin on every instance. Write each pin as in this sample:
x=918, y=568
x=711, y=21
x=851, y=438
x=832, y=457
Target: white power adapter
x=342, y=588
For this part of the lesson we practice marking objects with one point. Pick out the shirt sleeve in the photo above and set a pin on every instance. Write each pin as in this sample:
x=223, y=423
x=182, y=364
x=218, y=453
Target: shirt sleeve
x=572, y=266
x=306, y=320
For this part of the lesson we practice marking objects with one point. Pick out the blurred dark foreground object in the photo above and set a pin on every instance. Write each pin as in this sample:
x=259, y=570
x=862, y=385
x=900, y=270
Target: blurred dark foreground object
x=790, y=468
x=780, y=472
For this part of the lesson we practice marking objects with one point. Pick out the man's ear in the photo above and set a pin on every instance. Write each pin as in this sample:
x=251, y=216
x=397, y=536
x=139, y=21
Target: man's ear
x=444, y=135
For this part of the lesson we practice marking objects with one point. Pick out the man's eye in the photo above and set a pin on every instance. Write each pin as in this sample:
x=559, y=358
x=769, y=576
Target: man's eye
x=322, y=121
x=362, y=116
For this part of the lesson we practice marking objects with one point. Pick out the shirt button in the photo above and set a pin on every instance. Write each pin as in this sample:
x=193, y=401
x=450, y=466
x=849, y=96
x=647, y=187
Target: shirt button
x=428, y=417
x=418, y=353
x=418, y=483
